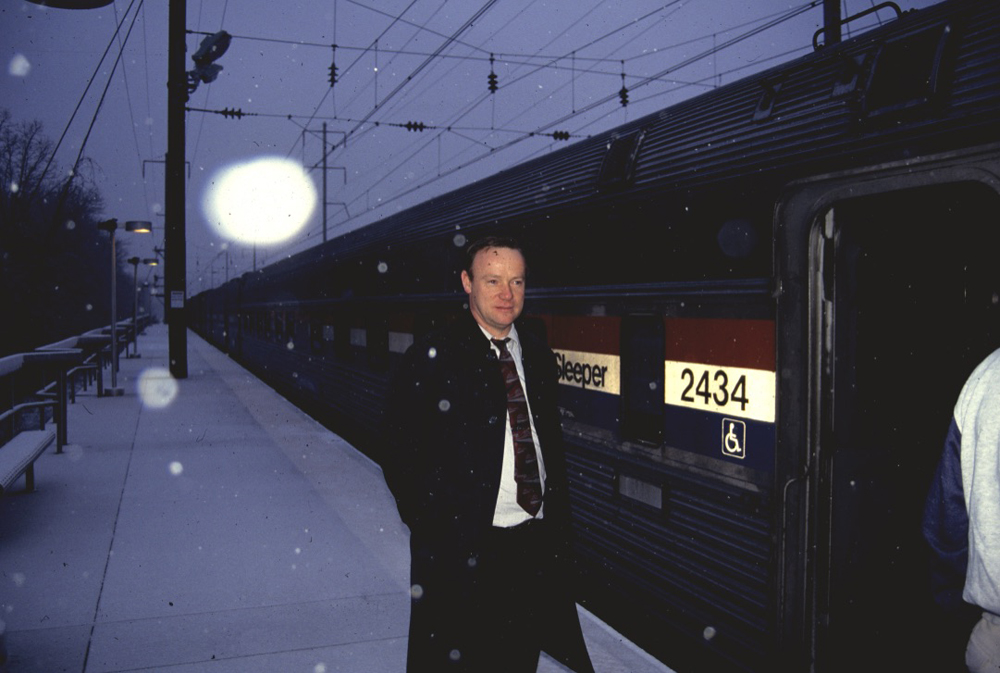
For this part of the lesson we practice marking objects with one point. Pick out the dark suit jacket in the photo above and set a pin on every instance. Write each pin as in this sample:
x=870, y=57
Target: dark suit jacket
x=446, y=418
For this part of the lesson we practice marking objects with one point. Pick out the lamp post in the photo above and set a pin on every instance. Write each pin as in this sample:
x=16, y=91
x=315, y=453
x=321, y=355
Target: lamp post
x=150, y=261
x=139, y=227
x=134, y=261
x=147, y=298
x=174, y=192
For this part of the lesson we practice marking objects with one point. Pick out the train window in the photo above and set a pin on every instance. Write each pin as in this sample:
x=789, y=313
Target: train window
x=342, y=338
x=279, y=326
x=378, y=342
x=399, y=342
x=303, y=330
x=642, y=354
x=907, y=71
x=618, y=167
x=359, y=337
x=316, y=337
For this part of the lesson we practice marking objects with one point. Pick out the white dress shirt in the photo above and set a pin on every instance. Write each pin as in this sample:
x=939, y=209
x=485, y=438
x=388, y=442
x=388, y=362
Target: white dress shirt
x=508, y=512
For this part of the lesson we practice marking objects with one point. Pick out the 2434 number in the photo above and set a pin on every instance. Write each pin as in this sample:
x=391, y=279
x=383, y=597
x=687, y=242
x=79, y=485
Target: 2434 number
x=714, y=387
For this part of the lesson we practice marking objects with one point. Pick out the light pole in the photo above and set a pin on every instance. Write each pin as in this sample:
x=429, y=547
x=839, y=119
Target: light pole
x=139, y=227
x=134, y=261
x=174, y=190
x=147, y=298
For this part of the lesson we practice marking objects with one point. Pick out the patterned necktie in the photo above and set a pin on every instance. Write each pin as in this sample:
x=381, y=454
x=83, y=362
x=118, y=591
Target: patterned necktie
x=529, y=484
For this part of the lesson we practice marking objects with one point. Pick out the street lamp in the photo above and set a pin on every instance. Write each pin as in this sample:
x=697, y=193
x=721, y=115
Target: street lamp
x=147, y=297
x=139, y=227
x=134, y=261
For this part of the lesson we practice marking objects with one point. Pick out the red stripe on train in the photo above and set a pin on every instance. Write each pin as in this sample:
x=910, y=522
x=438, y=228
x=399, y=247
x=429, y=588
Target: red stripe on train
x=587, y=334
x=723, y=342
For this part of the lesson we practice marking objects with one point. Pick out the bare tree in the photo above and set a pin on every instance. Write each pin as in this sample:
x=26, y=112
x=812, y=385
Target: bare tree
x=54, y=262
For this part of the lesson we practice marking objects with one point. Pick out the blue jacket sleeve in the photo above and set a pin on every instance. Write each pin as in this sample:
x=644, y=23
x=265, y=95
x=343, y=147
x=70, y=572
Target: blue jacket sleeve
x=946, y=524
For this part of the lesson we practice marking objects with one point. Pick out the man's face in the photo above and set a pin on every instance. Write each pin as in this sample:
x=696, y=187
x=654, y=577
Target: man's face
x=496, y=289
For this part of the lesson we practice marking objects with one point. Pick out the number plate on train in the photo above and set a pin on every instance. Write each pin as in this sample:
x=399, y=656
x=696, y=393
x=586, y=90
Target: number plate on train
x=734, y=391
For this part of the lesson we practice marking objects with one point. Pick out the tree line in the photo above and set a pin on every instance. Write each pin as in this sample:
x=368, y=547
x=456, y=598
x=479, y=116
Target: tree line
x=55, y=264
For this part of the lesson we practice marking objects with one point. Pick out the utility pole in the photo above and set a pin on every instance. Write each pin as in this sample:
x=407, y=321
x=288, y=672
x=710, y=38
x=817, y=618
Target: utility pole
x=831, y=22
x=325, y=167
x=175, y=240
x=324, y=182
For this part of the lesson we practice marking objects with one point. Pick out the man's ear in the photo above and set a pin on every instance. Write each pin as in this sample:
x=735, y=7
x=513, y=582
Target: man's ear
x=466, y=282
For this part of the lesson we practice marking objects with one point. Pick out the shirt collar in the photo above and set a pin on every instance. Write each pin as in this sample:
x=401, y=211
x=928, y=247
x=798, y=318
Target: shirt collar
x=512, y=335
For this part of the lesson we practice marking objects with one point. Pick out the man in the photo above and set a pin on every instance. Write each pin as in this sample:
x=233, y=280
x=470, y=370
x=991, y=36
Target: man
x=962, y=515
x=477, y=469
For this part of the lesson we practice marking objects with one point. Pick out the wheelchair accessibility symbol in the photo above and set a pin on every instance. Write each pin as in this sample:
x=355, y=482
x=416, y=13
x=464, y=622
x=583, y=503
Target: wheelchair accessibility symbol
x=734, y=436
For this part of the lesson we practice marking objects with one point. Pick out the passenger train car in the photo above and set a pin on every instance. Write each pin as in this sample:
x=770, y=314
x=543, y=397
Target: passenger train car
x=763, y=301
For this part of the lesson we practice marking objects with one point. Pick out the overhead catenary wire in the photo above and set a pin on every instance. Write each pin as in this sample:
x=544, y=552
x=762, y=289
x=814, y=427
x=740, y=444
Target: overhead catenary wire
x=128, y=96
x=83, y=144
x=208, y=90
x=492, y=151
x=551, y=61
x=397, y=103
x=682, y=83
x=645, y=81
x=470, y=107
x=353, y=63
x=580, y=130
x=475, y=17
x=83, y=96
x=511, y=56
x=392, y=113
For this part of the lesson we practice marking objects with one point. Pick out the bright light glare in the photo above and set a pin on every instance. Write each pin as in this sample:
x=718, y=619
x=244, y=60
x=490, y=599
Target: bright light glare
x=266, y=200
x=157, y=388
x=19, y=66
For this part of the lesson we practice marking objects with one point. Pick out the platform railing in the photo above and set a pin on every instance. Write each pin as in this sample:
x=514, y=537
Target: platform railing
x=47, y=378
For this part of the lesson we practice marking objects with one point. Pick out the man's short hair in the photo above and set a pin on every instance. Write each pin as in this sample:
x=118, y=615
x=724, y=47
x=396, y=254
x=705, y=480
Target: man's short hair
x=492, y=242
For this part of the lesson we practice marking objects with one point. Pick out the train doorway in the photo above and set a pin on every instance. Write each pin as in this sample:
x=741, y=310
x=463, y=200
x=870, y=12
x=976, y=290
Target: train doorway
x=906, y=303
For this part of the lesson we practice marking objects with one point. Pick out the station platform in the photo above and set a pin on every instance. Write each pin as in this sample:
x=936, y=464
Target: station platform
x=220, y=529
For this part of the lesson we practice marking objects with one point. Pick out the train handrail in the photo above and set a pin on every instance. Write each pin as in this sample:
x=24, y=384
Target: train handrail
x=853, y=17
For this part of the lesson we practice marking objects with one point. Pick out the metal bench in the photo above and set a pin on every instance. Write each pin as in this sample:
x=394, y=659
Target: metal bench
x=19, y=453
x=18, y=457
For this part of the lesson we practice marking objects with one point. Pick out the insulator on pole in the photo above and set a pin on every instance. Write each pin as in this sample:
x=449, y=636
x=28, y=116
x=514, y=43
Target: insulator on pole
x=623, y=92
x=333, y=67
x=492, y=78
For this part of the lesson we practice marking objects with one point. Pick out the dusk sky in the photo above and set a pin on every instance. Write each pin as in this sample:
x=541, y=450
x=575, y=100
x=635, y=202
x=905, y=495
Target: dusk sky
x=559, y=67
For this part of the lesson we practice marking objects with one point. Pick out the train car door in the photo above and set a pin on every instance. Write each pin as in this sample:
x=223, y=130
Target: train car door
x=900, y=300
